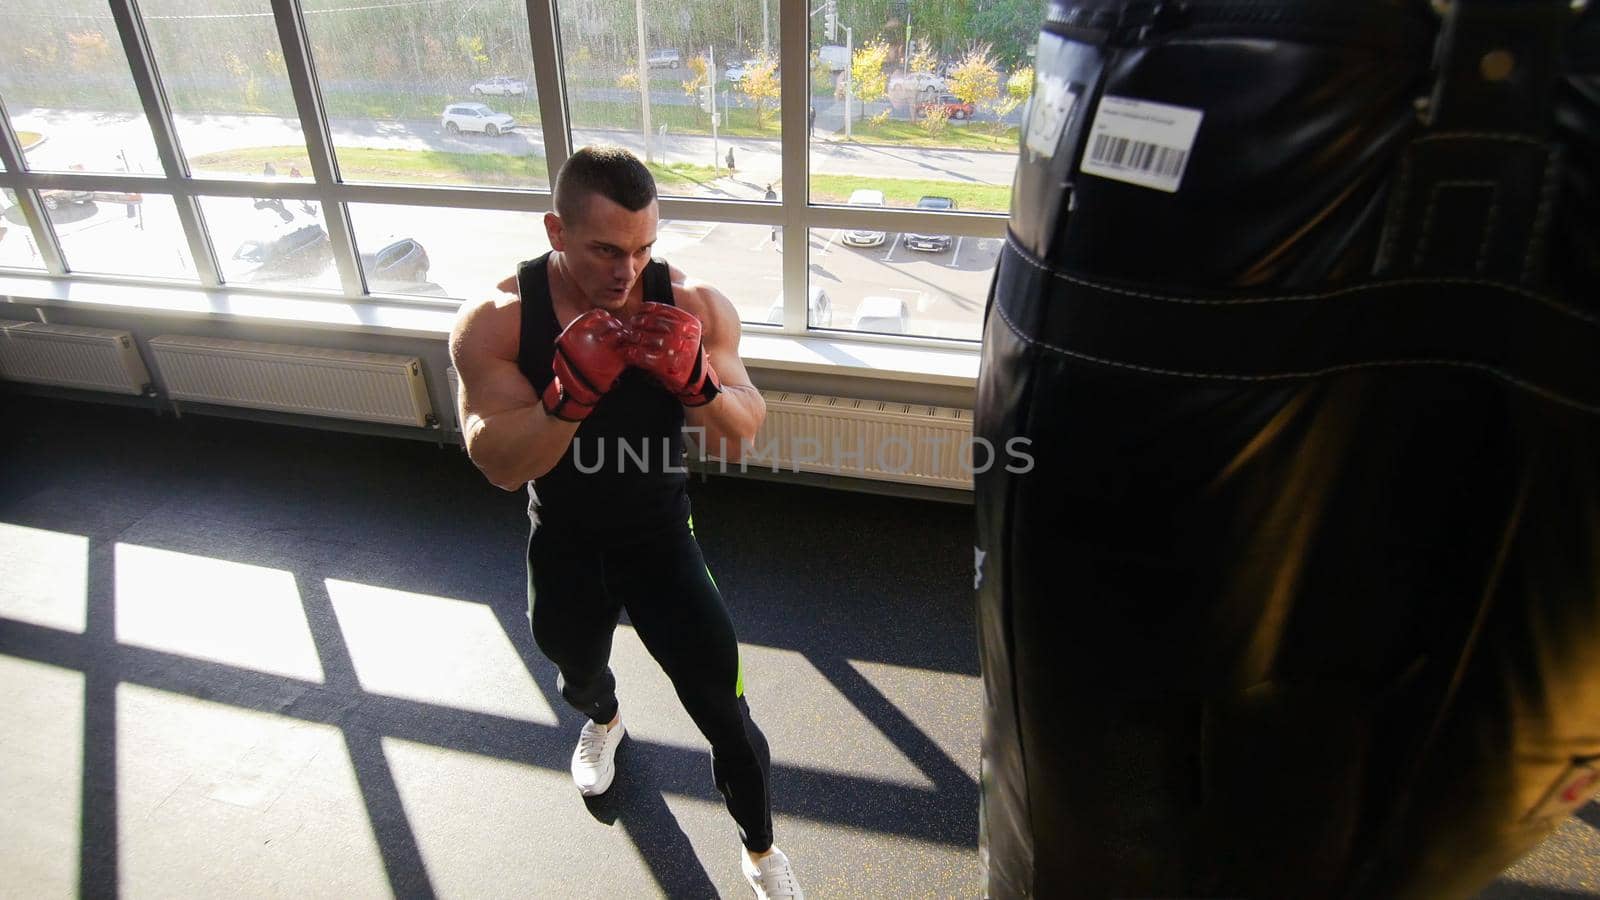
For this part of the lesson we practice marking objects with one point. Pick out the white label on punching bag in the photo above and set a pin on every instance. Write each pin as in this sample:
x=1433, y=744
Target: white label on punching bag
x=1048, y=112
x=977, y=568
x=1140, y=142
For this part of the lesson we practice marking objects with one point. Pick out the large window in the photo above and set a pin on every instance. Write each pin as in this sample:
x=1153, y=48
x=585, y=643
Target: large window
x=64, y=78
x=123, y=234
x=429, y=92
x=17, y=249
x=918, y=99
x=838, y=167
x=223, y=72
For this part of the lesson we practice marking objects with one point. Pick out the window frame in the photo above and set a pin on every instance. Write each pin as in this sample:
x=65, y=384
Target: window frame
x=794, y=213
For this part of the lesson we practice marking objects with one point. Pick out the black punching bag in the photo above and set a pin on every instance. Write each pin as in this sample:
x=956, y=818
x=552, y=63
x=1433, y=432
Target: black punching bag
x=1296, y=592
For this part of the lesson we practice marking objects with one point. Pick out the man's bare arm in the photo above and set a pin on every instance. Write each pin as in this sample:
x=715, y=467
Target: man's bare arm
x=509, y=436
x=732, y=418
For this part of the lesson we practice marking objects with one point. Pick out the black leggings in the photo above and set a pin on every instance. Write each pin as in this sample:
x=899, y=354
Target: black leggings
x=576, y=593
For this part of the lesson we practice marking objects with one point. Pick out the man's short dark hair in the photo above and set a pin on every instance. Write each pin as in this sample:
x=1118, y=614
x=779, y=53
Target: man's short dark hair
x=611, y=172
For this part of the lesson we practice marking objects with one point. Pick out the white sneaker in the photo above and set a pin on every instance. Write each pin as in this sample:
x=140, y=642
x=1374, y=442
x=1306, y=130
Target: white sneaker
x=593, y=764
x=771, y=877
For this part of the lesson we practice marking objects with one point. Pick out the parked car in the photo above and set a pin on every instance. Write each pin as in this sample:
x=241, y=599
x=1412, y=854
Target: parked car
x=55, y=199
x=460, y=117
x=736, y=72
x=954, y=107
x=884, y=315
x=295, y=253
x=819, y=309
x=920, y=82
x=663, y=59
x=501, y=86
x=404, y=260
x=861, y=237
x=934, y=242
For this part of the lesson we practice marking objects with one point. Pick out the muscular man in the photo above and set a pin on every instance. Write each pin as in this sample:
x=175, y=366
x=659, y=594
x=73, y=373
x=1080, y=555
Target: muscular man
x=578, y=387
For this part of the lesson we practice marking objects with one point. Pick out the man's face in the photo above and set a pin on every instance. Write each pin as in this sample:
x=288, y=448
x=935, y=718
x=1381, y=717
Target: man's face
x=605, y=248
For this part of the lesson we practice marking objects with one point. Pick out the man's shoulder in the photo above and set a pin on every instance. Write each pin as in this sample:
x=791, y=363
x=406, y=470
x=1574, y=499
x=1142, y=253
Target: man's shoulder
x=697, y=296
x=491, y=325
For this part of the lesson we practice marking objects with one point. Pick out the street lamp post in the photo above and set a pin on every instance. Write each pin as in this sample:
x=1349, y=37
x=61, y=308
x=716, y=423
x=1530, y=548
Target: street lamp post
x=849, y=85
x=644, y=79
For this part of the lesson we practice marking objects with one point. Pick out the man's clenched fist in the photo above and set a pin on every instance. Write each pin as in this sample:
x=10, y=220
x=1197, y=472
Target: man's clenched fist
x=590, y=356
x=666, y=343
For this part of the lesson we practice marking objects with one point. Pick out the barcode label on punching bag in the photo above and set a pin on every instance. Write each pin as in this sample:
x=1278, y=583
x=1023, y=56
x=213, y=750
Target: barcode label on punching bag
x=1140, y=142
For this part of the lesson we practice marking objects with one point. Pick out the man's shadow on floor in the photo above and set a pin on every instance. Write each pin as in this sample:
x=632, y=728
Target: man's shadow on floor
x=636, y=802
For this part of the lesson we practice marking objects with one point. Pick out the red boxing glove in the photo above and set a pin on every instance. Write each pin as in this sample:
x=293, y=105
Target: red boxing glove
x=590, y=356
x=667, y=344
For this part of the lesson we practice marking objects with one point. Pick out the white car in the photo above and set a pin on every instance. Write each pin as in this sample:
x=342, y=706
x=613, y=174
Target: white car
x=459, y=117
x=884, y=315
x=861, y=237
x=501, y=86
x=920, y=82
x=662, y=59
x=736, y=72
x=819, y=310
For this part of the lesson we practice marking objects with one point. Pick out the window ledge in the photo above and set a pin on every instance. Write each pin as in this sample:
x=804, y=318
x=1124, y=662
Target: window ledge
x=822, y=353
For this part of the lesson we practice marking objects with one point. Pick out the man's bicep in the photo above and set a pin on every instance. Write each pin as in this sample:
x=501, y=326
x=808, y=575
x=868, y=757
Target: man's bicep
x=722, y=339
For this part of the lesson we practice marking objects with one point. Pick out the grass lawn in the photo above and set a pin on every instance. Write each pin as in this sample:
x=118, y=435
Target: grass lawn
x=963, y=136
x=678, y=119
x=430, y=167
x=904, y=192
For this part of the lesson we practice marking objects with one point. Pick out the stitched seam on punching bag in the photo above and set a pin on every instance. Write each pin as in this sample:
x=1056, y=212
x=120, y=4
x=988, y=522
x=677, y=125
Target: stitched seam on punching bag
x=1541, y=220
x=1558, y=306
x=1316, y=373
x=1433, y=201
x=1510, y=136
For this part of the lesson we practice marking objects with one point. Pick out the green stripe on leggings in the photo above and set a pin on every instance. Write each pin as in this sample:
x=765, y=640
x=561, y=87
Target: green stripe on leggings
x=738, y=683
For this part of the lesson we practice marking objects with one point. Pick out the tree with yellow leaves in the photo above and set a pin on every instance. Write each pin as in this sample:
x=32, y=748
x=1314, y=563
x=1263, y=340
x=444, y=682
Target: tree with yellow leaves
x=760, y=84
x=699, y=71
x=867, y=79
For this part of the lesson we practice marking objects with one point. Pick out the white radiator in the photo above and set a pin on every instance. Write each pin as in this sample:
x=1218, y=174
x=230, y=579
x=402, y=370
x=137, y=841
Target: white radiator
x=344, y=384
x=97, y=359
x=904, y=442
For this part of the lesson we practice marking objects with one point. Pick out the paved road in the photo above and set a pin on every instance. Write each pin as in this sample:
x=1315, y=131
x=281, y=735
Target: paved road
x=99, y=141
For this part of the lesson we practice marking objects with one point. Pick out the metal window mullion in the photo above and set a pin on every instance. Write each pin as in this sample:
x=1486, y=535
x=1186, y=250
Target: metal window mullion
x=44, y=236
x=142, y=66
x=794, y=87
x=319, y=142
x=544, y=35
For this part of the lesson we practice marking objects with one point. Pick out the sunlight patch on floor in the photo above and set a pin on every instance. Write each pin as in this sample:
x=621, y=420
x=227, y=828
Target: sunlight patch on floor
x=213, y=609
x=46, y=577
x=435, y=650
x=41, y=739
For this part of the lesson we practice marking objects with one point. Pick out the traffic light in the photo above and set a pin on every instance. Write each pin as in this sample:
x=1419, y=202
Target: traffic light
x=830, y=18
x=705, y=96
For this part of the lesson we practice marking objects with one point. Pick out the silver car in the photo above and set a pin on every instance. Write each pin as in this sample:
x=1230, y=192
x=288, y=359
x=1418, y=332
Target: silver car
x=861, y=237
x=501, y=86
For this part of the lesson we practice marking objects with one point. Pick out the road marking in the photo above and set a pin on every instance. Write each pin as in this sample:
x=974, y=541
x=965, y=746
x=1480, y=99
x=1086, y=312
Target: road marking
x=828, y=243
x=956, y=255
x=893, y=244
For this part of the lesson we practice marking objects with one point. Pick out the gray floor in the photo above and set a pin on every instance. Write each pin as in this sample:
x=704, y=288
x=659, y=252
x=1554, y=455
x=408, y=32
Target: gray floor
x=250, y=660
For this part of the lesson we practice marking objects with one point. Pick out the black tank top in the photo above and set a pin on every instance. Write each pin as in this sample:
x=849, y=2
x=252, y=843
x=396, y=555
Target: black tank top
x=623, y=470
